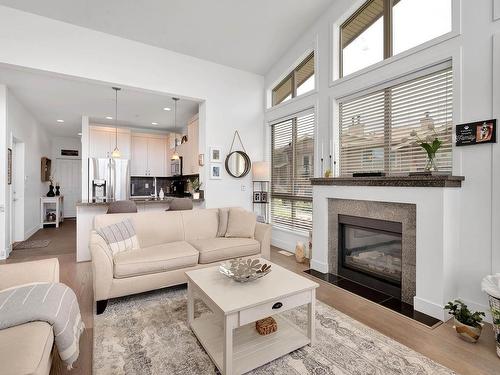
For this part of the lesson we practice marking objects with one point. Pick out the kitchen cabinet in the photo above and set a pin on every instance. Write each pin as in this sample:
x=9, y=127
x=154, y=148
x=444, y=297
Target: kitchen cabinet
x=188, y=151
x=102, y=142
x=149, y=153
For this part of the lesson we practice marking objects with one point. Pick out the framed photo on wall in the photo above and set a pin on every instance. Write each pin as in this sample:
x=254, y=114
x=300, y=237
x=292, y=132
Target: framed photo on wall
x=215, y=171
x=215, y=154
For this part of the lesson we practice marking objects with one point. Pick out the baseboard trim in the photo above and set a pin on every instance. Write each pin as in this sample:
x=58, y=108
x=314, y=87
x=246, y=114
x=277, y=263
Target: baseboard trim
x=31, y=232
x=430, y=308
x=319, y=266
x=283, y=245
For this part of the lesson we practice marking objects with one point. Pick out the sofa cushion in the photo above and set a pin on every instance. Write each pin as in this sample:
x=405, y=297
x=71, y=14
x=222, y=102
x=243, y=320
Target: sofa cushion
x=120, y=236
x=241, y=223
x=155, y=259
x=200, y=224
x=217, y=249
x=26, y=349
x=152, y=228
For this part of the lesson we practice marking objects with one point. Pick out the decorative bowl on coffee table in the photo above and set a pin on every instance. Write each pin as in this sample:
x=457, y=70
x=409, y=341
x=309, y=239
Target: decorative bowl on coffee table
x=244, y=270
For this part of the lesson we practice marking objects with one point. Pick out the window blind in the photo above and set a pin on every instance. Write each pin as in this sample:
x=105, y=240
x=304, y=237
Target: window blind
x=292, y=165
x=375, y=129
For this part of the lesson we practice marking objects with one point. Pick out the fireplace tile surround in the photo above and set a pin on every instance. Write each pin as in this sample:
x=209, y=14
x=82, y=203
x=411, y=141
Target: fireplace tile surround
x=388, y=211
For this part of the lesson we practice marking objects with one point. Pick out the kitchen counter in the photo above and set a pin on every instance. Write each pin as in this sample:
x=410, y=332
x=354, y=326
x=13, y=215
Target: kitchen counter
x=138, y=201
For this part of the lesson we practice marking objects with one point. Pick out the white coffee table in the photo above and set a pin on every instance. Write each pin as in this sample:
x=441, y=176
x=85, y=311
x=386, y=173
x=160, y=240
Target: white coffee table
x=229, y=335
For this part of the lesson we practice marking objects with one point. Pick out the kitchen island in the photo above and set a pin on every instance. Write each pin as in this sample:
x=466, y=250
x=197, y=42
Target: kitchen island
x=87, y=210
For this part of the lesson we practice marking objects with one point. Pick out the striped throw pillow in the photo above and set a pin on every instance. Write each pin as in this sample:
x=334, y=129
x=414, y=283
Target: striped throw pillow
x=120, y=236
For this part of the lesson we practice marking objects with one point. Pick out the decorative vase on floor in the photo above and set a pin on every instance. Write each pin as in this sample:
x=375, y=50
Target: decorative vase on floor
x=51, y=191
x=467, y=333
x=300, y=252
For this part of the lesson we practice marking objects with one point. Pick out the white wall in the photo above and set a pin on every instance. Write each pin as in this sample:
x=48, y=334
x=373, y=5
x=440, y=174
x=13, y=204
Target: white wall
x=476, y=80
x=233, y=99
x=22, y=126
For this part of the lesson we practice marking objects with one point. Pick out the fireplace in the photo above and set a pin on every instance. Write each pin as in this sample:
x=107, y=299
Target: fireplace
x=370, y=252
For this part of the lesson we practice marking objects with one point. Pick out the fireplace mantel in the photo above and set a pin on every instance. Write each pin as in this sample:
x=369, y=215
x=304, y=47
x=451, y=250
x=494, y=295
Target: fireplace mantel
x=400, y=181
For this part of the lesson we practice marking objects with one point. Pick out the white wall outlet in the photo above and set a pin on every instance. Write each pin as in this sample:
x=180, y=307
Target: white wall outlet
x=243, y=188
x=146, y=186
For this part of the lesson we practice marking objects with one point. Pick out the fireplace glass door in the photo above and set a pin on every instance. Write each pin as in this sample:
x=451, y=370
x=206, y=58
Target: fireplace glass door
x=374, y=252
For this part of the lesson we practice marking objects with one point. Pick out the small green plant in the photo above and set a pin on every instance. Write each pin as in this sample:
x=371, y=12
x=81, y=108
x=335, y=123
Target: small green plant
x=462, y=313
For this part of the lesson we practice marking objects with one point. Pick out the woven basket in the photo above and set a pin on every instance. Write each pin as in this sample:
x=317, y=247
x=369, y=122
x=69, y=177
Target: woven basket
x=266, y=326
x=495, y=313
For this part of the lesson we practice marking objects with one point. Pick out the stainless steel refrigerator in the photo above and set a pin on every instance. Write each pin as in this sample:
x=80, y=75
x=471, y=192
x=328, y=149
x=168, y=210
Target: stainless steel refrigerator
x=109, y=179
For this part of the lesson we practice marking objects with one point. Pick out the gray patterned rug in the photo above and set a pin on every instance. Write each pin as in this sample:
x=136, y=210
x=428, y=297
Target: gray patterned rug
x=148, y=334
x=31, y=244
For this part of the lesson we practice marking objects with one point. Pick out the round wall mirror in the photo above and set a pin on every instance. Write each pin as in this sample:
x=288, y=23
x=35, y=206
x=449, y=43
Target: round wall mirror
x=238, y=164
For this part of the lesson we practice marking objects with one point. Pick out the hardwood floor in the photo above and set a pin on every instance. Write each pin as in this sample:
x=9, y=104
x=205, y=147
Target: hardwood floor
x=440, y=344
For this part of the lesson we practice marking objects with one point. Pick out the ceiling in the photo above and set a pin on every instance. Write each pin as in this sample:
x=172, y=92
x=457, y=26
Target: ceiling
x=248, y=35
x=50, y=98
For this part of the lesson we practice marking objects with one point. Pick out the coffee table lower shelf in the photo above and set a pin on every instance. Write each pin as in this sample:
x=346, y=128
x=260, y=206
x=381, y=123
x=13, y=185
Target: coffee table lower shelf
x=250, y=350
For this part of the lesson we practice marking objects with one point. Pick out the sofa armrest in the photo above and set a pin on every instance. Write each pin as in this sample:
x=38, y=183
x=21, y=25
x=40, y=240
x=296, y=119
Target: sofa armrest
x=102, y=266
x=263, y=235
x=13, y=274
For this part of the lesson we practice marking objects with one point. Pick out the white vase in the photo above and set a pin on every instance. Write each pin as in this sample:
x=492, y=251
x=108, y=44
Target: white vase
x=161, y=194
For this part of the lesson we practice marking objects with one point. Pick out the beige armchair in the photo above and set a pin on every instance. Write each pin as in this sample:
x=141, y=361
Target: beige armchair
x=27, y=348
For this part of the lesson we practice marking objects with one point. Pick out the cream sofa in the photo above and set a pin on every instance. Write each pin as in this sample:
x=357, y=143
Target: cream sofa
x=26, y=349
x=171, y=243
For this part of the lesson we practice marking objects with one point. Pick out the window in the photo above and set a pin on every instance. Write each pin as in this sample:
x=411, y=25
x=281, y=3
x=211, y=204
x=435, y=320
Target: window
x=298, y=82
x=383, y=28
x=375, y=128
x=291, y=168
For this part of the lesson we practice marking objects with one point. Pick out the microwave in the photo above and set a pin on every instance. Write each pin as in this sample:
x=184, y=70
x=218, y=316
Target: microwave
x=176, y=167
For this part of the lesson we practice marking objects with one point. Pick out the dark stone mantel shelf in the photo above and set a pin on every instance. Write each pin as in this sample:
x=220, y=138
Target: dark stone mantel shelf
x=399, y=181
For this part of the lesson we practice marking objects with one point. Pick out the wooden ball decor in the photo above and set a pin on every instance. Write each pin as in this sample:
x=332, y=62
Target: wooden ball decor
x=266, y=326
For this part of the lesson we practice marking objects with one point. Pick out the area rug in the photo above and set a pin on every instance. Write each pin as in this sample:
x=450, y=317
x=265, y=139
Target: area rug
x=148, y=334
x=31, y=244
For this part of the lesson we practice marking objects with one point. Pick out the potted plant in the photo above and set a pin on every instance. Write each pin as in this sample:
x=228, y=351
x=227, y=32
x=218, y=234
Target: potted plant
x=428, y=140
x=468, y=325
x=196, y=185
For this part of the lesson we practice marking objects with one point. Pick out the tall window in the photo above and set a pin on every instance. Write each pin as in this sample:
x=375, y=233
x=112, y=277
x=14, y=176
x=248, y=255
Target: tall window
x=292, y=166
x=383, y=28
x=298, y=82
x=375, y=129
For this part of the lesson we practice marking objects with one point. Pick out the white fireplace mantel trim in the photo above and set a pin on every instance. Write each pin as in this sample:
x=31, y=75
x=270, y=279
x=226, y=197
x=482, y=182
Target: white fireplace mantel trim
x=437, y=236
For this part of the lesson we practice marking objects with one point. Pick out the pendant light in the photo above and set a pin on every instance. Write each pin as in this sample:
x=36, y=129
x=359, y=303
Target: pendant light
x=175, y=155
x=116, y=152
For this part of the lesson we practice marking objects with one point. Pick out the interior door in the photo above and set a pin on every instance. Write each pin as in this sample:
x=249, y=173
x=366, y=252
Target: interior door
x=156, y=157
x=69, y=176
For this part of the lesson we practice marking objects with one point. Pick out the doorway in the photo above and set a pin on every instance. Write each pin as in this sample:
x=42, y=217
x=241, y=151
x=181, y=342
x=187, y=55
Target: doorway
x=69, y=175
x=17, y=191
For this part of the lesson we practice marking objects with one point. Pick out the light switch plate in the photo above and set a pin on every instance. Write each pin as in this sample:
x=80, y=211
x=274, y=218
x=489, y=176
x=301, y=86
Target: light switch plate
x=146, y=185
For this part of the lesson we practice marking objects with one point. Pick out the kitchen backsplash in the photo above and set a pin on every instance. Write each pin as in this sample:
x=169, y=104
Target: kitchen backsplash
x=142, y=186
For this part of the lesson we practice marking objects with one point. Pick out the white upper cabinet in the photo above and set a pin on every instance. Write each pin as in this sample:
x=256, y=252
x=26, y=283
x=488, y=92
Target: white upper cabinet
x=157, y=156
x=149, y=153
x=139, y=160
x=102, y=142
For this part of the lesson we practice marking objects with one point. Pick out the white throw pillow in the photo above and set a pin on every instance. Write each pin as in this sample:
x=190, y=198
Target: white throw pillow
x=241, y=223
x=120, y=236
x=223, y=216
